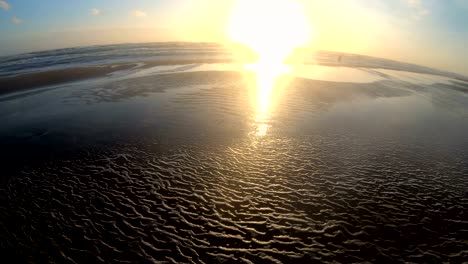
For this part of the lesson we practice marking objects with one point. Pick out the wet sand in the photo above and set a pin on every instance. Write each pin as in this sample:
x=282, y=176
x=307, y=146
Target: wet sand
x=170, y=168
x=41, y=79
x=55, y=77
x=24, y=82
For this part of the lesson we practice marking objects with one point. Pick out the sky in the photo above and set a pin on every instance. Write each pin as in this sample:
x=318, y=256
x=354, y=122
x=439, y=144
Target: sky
x=427, y=32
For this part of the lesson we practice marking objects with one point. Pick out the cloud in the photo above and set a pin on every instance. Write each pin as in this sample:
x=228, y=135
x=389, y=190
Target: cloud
x=4, y=5
x=16, y=20
x=138, y=13
x=419, y=11
x=95, y=11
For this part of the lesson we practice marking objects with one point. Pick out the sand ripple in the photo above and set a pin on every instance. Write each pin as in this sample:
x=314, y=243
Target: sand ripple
x=277, y=200
x=348, y=172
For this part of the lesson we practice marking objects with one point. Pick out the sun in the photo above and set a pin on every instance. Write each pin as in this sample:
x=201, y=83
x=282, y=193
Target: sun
x=272, y=30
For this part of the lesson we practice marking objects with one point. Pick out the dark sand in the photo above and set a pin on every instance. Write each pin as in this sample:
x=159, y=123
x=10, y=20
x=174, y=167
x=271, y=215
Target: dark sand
x=55, y=77
x=168, y=168
x=29, y=81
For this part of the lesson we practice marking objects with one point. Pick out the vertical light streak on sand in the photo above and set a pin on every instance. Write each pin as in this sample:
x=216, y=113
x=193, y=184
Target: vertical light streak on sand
x=272, y=29
x=266, y=77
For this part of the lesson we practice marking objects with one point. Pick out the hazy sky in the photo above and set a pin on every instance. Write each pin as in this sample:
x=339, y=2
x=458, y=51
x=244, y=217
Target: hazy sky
x=428, y=32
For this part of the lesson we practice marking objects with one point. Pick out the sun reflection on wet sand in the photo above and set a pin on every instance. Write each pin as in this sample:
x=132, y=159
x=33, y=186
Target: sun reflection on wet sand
x=272, y=30
x=266, y=81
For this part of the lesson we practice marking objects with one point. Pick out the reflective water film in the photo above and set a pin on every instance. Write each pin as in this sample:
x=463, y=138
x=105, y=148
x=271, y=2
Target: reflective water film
x=215, y=161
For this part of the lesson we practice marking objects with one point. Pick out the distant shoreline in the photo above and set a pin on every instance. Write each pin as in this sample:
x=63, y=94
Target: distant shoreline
x=28, y=81
x=23, y=82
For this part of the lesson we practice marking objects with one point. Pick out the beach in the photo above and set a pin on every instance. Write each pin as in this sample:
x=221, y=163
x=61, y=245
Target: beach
x=169, y=159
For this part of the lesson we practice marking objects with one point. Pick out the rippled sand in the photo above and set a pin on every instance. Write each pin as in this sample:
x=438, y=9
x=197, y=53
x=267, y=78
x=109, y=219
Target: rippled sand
x=169, y=168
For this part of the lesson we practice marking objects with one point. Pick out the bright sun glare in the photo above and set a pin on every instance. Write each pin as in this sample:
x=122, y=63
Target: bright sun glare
x=272, y=29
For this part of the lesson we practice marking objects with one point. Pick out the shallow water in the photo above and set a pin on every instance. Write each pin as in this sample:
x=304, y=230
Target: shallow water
x=174, y=165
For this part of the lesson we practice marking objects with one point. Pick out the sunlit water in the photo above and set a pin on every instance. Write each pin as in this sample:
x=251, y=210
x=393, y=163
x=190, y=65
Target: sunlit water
x=192, y=163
